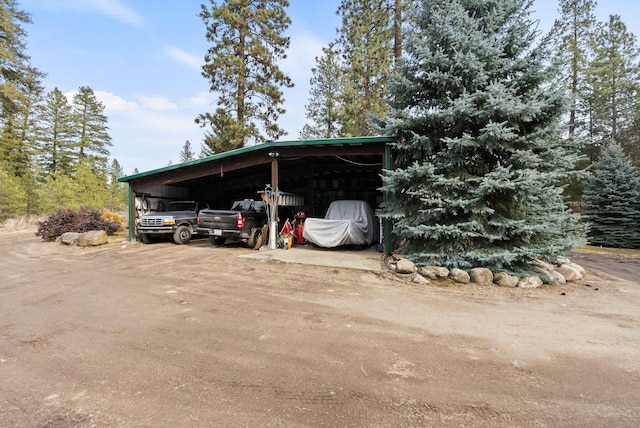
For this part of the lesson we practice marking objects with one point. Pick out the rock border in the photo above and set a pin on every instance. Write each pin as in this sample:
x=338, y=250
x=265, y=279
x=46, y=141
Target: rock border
x=561, y=272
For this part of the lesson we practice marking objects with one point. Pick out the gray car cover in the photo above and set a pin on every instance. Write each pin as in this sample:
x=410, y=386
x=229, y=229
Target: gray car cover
x=346, y=223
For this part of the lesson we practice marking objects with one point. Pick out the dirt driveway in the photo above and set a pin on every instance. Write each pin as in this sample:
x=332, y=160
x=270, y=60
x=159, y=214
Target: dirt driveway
x=165, y=335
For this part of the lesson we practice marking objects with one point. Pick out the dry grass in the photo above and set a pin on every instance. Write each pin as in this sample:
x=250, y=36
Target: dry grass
x=20, y=226
x=591, y=249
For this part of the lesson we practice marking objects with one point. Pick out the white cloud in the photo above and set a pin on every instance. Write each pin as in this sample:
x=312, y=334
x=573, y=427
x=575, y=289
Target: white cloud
x=202, y=100
x=185, y=58
x=156, y=103
x=113, y=8
x=115, y=103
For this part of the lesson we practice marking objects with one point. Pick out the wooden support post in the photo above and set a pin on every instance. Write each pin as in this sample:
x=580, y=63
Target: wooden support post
x=273, y=227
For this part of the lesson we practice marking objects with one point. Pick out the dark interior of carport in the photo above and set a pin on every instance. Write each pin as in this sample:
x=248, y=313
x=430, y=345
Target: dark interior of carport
x=320, y=171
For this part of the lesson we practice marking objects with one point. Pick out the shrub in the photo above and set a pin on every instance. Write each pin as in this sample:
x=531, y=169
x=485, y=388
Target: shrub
x=66, y=220
x=113, y=218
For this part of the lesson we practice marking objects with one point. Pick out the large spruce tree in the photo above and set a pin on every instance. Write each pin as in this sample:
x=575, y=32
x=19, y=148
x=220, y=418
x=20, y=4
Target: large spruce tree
x=247, y=41
x=611, y=200
x=480, y=155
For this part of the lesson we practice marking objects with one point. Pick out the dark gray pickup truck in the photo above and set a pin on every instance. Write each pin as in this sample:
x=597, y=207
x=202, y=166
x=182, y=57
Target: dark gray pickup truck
x=243, y=222
x=179, y=221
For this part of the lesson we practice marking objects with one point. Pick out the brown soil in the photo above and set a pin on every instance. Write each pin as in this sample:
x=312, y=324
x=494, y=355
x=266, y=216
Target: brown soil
x=167, y=335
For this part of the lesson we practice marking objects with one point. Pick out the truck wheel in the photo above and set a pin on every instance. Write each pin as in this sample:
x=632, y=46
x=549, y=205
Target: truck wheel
x=254, y=238
x=145, y=238
x=182, y=235
x=217, y=240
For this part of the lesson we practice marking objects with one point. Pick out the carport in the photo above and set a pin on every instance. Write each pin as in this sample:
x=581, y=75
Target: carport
x=320, y=171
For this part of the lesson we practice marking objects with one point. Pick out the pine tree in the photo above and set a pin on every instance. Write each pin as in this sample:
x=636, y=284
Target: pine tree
x=480, y=157
x=614, y=77
x=573, y=33
x=611, y=200
x=247, y=38
x=13, y=58
x=366, y=42
x=324, y=108
x=91, y=126
x=117, y=193
x=186, y=154
x=57, y=135
x=13, y=200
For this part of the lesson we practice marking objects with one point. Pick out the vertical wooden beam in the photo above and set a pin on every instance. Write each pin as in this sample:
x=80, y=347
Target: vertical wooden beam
x=132, y=212
x=388, y=240
x=273, y=227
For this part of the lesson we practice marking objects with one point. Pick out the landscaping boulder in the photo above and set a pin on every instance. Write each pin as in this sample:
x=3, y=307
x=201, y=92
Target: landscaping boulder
x=458, y=275
x=405, y=266
x=557, y=277
x=569, y=272
x=434, y=272
x=70, y=238
x=93, y=238
x=530, y=282
x=503, y=279
x=419, y=279
x=481, y=276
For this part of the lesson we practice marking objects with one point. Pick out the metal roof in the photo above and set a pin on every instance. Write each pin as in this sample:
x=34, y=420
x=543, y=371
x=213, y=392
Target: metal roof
x=352, y=141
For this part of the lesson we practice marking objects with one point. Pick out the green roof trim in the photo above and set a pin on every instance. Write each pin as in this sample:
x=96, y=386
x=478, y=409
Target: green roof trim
x=263, y=146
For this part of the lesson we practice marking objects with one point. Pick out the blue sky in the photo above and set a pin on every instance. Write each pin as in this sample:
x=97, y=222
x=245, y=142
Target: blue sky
x=143, y=59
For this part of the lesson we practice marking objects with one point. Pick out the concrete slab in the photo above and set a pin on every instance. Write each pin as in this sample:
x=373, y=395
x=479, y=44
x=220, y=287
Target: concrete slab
x=368, y=259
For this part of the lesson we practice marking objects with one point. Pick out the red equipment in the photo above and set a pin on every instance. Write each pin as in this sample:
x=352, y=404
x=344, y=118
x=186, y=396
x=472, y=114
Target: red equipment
x=299, y=227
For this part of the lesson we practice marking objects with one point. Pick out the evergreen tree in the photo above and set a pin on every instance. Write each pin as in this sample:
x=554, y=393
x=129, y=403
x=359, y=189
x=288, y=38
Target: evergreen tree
x=324, y=108
x=480, y=156
x=614, y=77
x=13, y=200
x=247, y=38
x=186, y=154
x=629, y=138
x=573, y=33
x=611, y=200
x=117, y=193
x=91, y=126
x=56, y=135
x=366, y=40
x=205, y=151
x=13, y=58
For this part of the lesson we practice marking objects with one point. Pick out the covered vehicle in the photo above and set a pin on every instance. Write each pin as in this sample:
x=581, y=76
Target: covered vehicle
x=346, y=223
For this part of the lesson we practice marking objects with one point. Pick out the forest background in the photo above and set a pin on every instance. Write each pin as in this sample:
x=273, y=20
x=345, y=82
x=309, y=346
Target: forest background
x=55, y=148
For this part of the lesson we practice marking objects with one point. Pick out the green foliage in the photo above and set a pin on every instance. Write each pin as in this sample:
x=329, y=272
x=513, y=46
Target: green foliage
x=324, y=110
x=91, y=127
x=57, y=135
x=480, y=158
x=611, y=200
x=186, y=154
x=247, y=41
x=67, y=220
x=13, y=58
x=573, y=34
x=366, y=44
x=13, y=199
x=614, y=79
x=117, y=197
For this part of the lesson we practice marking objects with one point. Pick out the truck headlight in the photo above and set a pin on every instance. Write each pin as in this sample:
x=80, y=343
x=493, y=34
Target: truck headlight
x=169, y=221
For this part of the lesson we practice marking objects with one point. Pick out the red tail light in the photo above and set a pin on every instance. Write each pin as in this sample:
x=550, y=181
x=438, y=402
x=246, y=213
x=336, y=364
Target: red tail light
x=198, y=218
x=240, y=221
